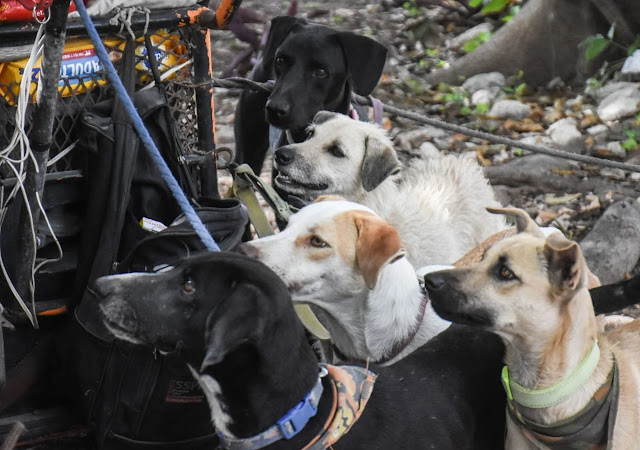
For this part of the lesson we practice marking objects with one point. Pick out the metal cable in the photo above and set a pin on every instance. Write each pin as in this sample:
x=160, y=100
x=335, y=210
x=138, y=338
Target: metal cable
x=243, y=83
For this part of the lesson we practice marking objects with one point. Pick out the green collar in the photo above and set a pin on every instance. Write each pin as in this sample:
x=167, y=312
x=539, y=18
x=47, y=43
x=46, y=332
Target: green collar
x=542, y=398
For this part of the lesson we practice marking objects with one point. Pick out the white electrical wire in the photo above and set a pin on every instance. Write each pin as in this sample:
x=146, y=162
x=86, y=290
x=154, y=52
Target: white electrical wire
x=20, y=144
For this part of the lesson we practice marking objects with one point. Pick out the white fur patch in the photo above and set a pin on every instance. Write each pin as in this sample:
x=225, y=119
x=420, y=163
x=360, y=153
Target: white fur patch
x=219, y=416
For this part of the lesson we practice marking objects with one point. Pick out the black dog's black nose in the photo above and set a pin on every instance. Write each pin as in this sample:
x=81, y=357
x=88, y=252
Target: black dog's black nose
x=277, y=109
x=249, y=250
x=433, y=282
x=284, y=155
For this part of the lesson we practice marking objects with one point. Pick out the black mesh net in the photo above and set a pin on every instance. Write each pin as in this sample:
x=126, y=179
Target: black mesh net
x=84, y=82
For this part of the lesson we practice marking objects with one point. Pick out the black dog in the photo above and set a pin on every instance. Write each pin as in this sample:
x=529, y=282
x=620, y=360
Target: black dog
x=233, y=322
x=315, y=68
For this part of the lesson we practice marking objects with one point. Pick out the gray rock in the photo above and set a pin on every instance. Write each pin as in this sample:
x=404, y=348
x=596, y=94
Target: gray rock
x=617, y=150
x=538, y=139
x=613, y=174
x=565, y=134
x=411, y=139
x=612, y=248
x=634, y=176
x=485, y=95
x=459, y=41
x=601, y=93
x=510, y=109
x=619, y=104
x=598, y=130
x=442, y=143
x=428, y=150
x=484, y=81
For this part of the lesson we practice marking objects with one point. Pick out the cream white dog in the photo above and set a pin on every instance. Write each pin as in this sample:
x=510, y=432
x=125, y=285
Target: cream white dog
x=437, y=205
x=349, y=265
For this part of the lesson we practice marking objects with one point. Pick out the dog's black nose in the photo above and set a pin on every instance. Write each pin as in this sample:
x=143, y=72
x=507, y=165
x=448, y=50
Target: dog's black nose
x=433, y=281
x=249, y=250
x=284, y=155
x=277, y=109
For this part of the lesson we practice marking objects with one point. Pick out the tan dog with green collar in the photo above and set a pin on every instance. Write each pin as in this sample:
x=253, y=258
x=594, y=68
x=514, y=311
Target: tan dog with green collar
x=570, y=383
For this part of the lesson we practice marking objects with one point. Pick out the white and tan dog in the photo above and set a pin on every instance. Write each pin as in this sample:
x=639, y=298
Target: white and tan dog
x=350, y=266
x=565, y=372
x=437, y=205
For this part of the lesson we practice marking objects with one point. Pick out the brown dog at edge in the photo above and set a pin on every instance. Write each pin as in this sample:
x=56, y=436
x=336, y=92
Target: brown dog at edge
x=567, y=377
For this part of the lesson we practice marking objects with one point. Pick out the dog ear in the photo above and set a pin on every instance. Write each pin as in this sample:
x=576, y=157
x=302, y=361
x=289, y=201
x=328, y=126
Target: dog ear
x=280, y=28
x=565, y=265
x=324, y=116
x=330, y=198
x=365, y=59
x=236, y=320
x=524, y=222
x=380, y=161
x=378, y=244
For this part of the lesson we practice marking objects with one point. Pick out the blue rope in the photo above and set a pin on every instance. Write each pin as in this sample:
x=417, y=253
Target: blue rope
x=168, y=177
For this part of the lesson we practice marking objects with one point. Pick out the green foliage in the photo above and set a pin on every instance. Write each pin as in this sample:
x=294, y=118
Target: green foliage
x=337, y=19
x=635, y=46
x=481, y=108
x=517, y=151
x=595, y=45
x=441, y=64
x=465, y=111
x=521, y=89
x=474, y=43
x=475, y=3
x=411, y=8
x=513, y=10
x=631, y=143
x=494, y=6
x=432, y=52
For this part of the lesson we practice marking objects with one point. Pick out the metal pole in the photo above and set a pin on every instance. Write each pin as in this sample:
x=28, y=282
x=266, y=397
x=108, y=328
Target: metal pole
x=204, y=110
x=40, y=140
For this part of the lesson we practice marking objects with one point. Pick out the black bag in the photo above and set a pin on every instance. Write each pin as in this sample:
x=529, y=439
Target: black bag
x=133, y=396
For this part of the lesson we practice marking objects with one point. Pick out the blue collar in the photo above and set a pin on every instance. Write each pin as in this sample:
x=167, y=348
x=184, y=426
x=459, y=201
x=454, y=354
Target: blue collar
x=287, y=427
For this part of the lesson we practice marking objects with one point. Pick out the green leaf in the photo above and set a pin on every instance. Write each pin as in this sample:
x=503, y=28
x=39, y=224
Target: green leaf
x=475, y=42
x=635, y=46
x=475, y=3
x=595, y=45
x=481, y=108
x=494, y=6
x=465, y=110
x=432, y=51
x=630, y=144
x=517, y=151
x=520, y=89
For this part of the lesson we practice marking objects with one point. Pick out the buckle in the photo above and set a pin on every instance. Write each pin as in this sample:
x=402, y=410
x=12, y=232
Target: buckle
x=294, y=421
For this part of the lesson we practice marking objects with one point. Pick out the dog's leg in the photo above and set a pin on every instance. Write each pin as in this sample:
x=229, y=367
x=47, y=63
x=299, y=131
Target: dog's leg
x=251, y=129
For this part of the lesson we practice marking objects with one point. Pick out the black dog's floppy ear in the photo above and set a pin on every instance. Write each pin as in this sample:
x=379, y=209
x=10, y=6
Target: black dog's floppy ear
x=380, y=161
x=365, y=59
x=237, y=319
x=324, y=116
x=280, y=28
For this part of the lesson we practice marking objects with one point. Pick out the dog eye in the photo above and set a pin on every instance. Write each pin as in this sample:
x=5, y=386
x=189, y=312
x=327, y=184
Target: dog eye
x=280, y=61
x=316, y=242
x=319, y=73
x=188, y=286
x=336, y=151
x=506, y=274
